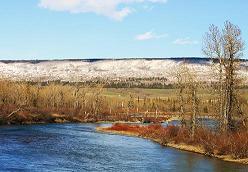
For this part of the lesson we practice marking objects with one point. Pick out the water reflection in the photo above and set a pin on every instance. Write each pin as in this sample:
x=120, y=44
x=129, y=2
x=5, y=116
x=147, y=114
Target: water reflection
x=203, y=122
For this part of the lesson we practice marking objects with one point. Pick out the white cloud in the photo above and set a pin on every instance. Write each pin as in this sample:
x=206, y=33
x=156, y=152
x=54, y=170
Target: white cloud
x=148, y=7
x=115, y=9
x=149, y=35
x=185, y=41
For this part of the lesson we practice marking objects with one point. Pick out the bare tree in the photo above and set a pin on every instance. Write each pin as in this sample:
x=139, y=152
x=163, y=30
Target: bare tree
x=97, y=100
x=192, y=84
x=187, y=82
x=213, y=48
x=179, y=75
x=227, y=47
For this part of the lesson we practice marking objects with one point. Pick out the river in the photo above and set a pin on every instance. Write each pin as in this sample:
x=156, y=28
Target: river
x=78, y=147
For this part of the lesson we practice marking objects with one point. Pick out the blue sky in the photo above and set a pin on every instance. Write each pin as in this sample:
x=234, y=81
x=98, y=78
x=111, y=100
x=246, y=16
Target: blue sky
x=53, y=29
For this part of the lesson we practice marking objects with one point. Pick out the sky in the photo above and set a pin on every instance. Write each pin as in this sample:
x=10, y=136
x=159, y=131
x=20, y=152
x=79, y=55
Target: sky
x=59, y=29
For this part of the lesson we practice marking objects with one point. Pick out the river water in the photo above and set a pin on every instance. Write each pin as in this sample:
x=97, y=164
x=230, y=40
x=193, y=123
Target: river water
x=78, y=147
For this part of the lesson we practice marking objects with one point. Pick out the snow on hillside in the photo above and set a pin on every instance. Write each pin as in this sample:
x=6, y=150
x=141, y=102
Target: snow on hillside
x=102, y=69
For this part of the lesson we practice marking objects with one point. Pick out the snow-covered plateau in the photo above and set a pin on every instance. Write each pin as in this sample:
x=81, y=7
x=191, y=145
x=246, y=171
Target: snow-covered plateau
x=107, y=69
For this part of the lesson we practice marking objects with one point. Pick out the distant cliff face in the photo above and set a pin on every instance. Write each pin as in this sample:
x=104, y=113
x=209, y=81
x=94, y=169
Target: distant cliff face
x=106, y=69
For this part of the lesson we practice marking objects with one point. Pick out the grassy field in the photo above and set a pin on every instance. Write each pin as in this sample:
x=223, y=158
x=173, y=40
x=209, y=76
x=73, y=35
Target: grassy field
x=168, y=99
x=140, y=92
x=124, y=93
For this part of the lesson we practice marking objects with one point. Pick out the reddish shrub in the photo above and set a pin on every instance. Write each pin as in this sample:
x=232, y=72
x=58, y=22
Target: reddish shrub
x=239, y=144
x=183, y=135
x=125, y=127
x=234, y=143
x=172, y=131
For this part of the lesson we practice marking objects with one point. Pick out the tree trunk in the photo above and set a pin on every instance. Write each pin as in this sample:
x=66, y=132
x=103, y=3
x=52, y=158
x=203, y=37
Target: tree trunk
x=183, y=123
x=229, y=105
x=194, y=105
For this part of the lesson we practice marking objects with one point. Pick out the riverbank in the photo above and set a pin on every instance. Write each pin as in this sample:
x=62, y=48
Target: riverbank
x=169, y=136
x=53, y=118
x=13, y=115
x=26, y=117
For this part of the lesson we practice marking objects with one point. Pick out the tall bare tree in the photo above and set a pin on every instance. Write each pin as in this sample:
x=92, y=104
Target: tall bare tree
x=213, y=48
x=226, y=46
